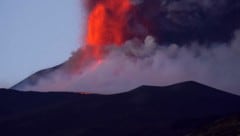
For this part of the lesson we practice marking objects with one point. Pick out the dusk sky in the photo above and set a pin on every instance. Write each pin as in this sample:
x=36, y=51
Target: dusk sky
x=36, y=34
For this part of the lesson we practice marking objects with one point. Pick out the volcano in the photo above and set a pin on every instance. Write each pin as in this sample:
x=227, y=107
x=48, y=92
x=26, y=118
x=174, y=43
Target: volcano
x=175, y=110
x=160, y=42
x=130, y=43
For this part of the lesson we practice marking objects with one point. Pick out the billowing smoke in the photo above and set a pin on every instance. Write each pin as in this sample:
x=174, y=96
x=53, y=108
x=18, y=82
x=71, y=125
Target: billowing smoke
x=184, y=21
x=150, y=42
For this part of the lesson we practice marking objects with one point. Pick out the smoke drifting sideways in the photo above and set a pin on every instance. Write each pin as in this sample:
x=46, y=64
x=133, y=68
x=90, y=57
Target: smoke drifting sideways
x=161, y=43
x=136, y=63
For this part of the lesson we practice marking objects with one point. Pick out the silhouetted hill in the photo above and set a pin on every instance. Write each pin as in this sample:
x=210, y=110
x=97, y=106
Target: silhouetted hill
x=174, y=110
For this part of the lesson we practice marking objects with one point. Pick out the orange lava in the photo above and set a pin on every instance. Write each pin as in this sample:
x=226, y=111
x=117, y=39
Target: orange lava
x=106, y=25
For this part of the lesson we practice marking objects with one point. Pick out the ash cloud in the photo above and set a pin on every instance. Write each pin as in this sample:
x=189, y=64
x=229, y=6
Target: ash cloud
x=184, y=21
x=139, y=63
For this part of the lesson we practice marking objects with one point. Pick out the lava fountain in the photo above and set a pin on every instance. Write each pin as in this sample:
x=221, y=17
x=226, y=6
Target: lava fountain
x=106, y=26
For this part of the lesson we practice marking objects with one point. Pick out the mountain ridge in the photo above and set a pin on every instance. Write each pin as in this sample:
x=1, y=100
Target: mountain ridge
x=185, y=83
x=145, y=111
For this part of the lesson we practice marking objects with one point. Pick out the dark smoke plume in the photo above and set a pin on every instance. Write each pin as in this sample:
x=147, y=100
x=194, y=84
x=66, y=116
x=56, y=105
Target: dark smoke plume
x=182, y=21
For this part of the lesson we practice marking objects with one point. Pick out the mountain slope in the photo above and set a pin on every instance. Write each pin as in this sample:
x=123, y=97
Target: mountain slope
x=168, y=111
x=229, y=126
x=35, y=78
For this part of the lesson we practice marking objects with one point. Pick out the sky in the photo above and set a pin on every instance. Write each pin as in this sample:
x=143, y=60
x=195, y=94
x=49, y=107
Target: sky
x=36, y=34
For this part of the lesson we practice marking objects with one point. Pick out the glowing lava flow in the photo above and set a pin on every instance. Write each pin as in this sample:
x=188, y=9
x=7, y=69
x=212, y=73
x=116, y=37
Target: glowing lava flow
x=106, y=25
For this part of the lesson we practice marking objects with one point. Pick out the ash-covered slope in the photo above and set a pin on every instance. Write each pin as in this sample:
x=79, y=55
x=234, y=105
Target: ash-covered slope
x=35, y=78
x=167, y=111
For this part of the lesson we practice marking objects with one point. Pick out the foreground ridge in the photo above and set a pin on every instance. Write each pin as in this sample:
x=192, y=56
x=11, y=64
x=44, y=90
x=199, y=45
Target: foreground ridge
x=147, y=110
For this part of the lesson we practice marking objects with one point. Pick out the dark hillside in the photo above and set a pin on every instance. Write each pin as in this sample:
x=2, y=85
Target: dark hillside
x=145, y=111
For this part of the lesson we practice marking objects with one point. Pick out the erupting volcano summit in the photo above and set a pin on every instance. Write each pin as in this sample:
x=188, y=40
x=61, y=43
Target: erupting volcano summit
x=106, y=26
x=129, y=43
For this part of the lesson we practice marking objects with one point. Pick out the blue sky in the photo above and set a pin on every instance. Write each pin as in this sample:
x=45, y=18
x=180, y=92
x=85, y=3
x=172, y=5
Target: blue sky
x=36, y=34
